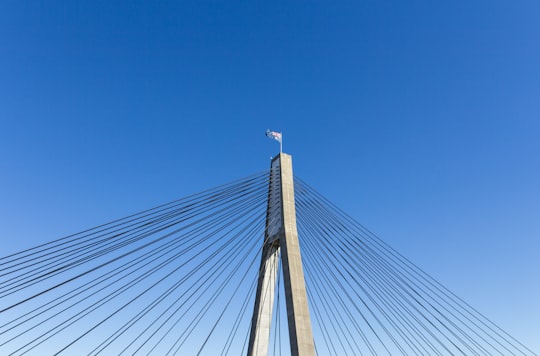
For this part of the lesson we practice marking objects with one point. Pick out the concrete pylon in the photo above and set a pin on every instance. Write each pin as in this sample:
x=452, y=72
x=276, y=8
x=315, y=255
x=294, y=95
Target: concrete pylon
x=281, y=238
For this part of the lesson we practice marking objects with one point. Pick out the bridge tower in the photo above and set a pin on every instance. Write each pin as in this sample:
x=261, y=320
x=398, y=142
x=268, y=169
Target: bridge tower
x=281, y=240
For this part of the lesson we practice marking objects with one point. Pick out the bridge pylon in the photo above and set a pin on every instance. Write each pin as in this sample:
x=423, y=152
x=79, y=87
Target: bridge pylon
x=281, y=241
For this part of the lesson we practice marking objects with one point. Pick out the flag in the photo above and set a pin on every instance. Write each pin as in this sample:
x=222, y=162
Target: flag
x=273, y=134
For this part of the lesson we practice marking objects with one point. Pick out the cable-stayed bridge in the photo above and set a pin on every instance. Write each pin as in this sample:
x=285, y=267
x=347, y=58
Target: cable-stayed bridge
x=261, y=265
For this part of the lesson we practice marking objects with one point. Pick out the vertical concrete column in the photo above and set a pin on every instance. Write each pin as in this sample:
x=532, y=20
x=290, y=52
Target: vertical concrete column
x=281, y=234
x=300, y=332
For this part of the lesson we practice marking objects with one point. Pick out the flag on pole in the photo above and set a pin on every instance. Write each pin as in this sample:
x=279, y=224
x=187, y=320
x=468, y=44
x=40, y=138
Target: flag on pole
x=276, y=136
x=273, y=134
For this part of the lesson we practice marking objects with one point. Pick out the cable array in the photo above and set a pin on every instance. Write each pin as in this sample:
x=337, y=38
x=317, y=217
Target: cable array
x=367, y=299
x=181, y=279
x=164, y=281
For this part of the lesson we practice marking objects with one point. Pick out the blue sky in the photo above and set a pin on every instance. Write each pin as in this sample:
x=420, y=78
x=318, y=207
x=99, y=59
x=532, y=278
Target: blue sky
x=421, y=119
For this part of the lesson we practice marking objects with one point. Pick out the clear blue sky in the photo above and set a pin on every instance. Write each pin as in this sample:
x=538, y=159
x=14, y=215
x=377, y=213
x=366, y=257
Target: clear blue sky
x=419, y=118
